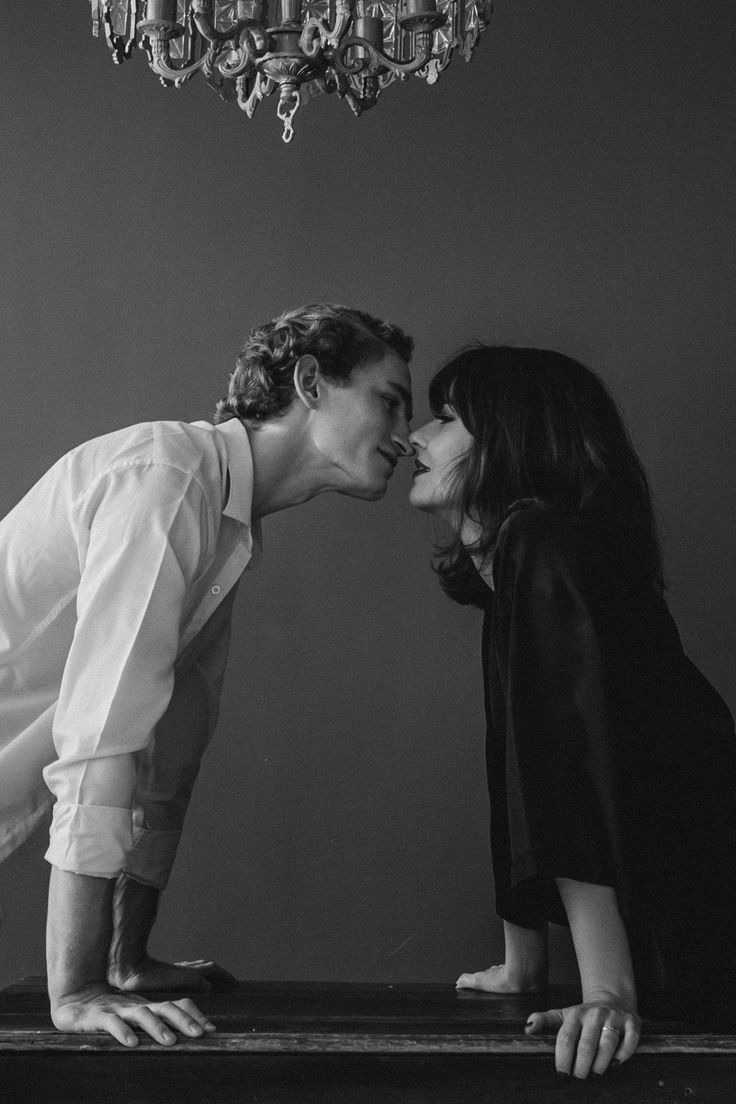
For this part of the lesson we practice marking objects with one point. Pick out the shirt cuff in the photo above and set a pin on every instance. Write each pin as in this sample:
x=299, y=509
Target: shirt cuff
x=152, y=856
x=90, y=839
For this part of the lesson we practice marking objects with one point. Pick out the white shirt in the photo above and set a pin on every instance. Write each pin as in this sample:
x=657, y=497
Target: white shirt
x=117, y=574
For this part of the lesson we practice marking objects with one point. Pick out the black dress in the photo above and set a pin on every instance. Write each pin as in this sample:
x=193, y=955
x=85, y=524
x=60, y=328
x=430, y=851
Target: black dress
x=611, y=759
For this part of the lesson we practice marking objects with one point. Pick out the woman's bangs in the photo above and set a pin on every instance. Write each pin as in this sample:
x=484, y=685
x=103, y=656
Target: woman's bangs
x=442, y=388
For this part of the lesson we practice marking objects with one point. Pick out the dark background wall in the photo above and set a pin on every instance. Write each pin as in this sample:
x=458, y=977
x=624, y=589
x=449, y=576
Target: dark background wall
x=572, y=187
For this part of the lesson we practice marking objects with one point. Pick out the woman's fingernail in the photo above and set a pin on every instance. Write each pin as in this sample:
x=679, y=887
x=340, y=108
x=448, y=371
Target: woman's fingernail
x=209, y=1026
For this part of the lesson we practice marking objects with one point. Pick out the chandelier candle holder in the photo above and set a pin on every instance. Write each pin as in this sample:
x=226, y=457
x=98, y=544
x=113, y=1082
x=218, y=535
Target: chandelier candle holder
x=249, y=49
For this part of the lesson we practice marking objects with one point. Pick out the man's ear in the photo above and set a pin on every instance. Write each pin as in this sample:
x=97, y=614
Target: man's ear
x=307, y=380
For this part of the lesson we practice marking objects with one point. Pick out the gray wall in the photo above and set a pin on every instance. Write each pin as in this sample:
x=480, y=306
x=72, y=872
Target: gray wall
x=573, y=187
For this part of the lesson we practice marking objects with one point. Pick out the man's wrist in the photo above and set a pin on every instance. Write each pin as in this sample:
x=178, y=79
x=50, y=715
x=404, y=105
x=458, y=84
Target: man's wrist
x=134, y=913
x=78, y=933
x=59, y=996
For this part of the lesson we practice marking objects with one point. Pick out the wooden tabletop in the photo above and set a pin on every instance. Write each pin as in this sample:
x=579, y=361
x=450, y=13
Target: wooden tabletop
x=329, y=1017
x=339, y=1043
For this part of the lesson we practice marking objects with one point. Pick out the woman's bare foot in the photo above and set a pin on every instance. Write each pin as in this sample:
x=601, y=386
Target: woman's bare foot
x=499, y=979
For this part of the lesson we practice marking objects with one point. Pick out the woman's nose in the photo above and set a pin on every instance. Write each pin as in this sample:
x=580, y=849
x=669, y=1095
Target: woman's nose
x=418, y=438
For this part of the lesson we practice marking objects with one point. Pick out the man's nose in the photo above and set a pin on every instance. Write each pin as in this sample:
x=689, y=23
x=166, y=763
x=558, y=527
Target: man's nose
x=403, y=438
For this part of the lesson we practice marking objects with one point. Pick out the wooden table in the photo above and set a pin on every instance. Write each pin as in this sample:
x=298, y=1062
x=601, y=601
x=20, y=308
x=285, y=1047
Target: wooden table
x=282, y=1043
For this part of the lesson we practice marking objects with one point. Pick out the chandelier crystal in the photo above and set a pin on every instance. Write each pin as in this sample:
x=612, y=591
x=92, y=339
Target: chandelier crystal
x=249, y=49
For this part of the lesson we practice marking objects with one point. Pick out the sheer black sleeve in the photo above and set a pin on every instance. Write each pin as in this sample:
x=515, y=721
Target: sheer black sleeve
x=555, y=749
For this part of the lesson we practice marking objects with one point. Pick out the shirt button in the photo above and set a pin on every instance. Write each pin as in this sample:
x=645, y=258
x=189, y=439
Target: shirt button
x=215, y=590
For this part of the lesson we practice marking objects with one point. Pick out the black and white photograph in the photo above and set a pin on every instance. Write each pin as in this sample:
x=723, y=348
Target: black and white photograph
x=367, y=570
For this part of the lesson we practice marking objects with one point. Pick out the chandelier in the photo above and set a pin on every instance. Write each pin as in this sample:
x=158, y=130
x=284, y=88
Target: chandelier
x=248, y=49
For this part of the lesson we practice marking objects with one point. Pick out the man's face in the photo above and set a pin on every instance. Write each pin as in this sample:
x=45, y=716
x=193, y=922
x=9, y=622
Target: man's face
x=362, y=425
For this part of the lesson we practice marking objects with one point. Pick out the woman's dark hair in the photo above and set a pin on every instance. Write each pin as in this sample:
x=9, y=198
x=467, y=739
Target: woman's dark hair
x=340, y=338
x=544, y=427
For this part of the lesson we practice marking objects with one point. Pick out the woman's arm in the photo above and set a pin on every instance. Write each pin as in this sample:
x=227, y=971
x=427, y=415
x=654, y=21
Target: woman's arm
x=600, y=941
x=524, y=969
x=605, y=1026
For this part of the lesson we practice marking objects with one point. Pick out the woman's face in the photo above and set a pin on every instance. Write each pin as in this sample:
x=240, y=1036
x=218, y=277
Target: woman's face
x=439, y=445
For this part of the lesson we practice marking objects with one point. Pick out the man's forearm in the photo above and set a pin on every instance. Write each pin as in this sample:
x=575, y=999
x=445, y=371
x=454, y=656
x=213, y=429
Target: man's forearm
x=601, y=943
x=78, y=931
x=134, y=912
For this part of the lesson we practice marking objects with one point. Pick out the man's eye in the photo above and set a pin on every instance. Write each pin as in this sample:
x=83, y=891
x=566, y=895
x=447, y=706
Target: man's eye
x=391, y=401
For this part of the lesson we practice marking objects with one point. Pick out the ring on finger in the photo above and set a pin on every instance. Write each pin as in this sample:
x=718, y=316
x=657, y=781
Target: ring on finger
x=610, y=1027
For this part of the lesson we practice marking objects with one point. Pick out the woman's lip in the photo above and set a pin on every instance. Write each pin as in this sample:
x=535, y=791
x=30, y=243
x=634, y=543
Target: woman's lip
x=419, y=469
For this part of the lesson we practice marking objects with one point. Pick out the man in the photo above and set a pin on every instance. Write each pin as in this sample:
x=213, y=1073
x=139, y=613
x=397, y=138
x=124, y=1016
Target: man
x=119, y=569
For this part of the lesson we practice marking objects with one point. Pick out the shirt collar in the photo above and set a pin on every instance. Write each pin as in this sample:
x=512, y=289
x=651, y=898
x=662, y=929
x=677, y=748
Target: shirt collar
x=240, y=470
x=239, y=476
x=239, y=505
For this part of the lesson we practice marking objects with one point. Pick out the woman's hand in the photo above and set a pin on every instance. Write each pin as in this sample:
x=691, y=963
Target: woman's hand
x=589, y=1036
x=98, y=1008
x=199, y=976
x=502, y=979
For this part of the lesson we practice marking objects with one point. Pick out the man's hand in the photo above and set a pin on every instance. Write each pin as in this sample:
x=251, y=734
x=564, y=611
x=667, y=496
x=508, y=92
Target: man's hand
x=150, y=974
x=98, y=1008
x=78, y=940
x=131, y=968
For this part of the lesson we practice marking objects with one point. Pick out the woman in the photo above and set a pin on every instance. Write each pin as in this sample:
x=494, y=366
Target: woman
x=611, y=760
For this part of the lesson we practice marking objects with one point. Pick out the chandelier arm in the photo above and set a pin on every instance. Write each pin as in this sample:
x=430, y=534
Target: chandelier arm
x=318, y=33
x=376, y=59
x=257, y=35
x=253, y=43
x=201, y=15
x=120, y=45
x=159, y=60
x=344, y=91
x=262, y=86
x=216, y=38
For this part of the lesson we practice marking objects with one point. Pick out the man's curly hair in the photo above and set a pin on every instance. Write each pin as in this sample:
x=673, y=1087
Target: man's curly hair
x=340, y=338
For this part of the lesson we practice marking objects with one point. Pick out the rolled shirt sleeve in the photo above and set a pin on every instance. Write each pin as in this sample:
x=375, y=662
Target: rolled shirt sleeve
x=143, y=532
x=168, y=768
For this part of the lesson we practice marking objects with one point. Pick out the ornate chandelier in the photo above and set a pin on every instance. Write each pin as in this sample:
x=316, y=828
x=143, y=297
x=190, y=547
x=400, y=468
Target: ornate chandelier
x=249, y=49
